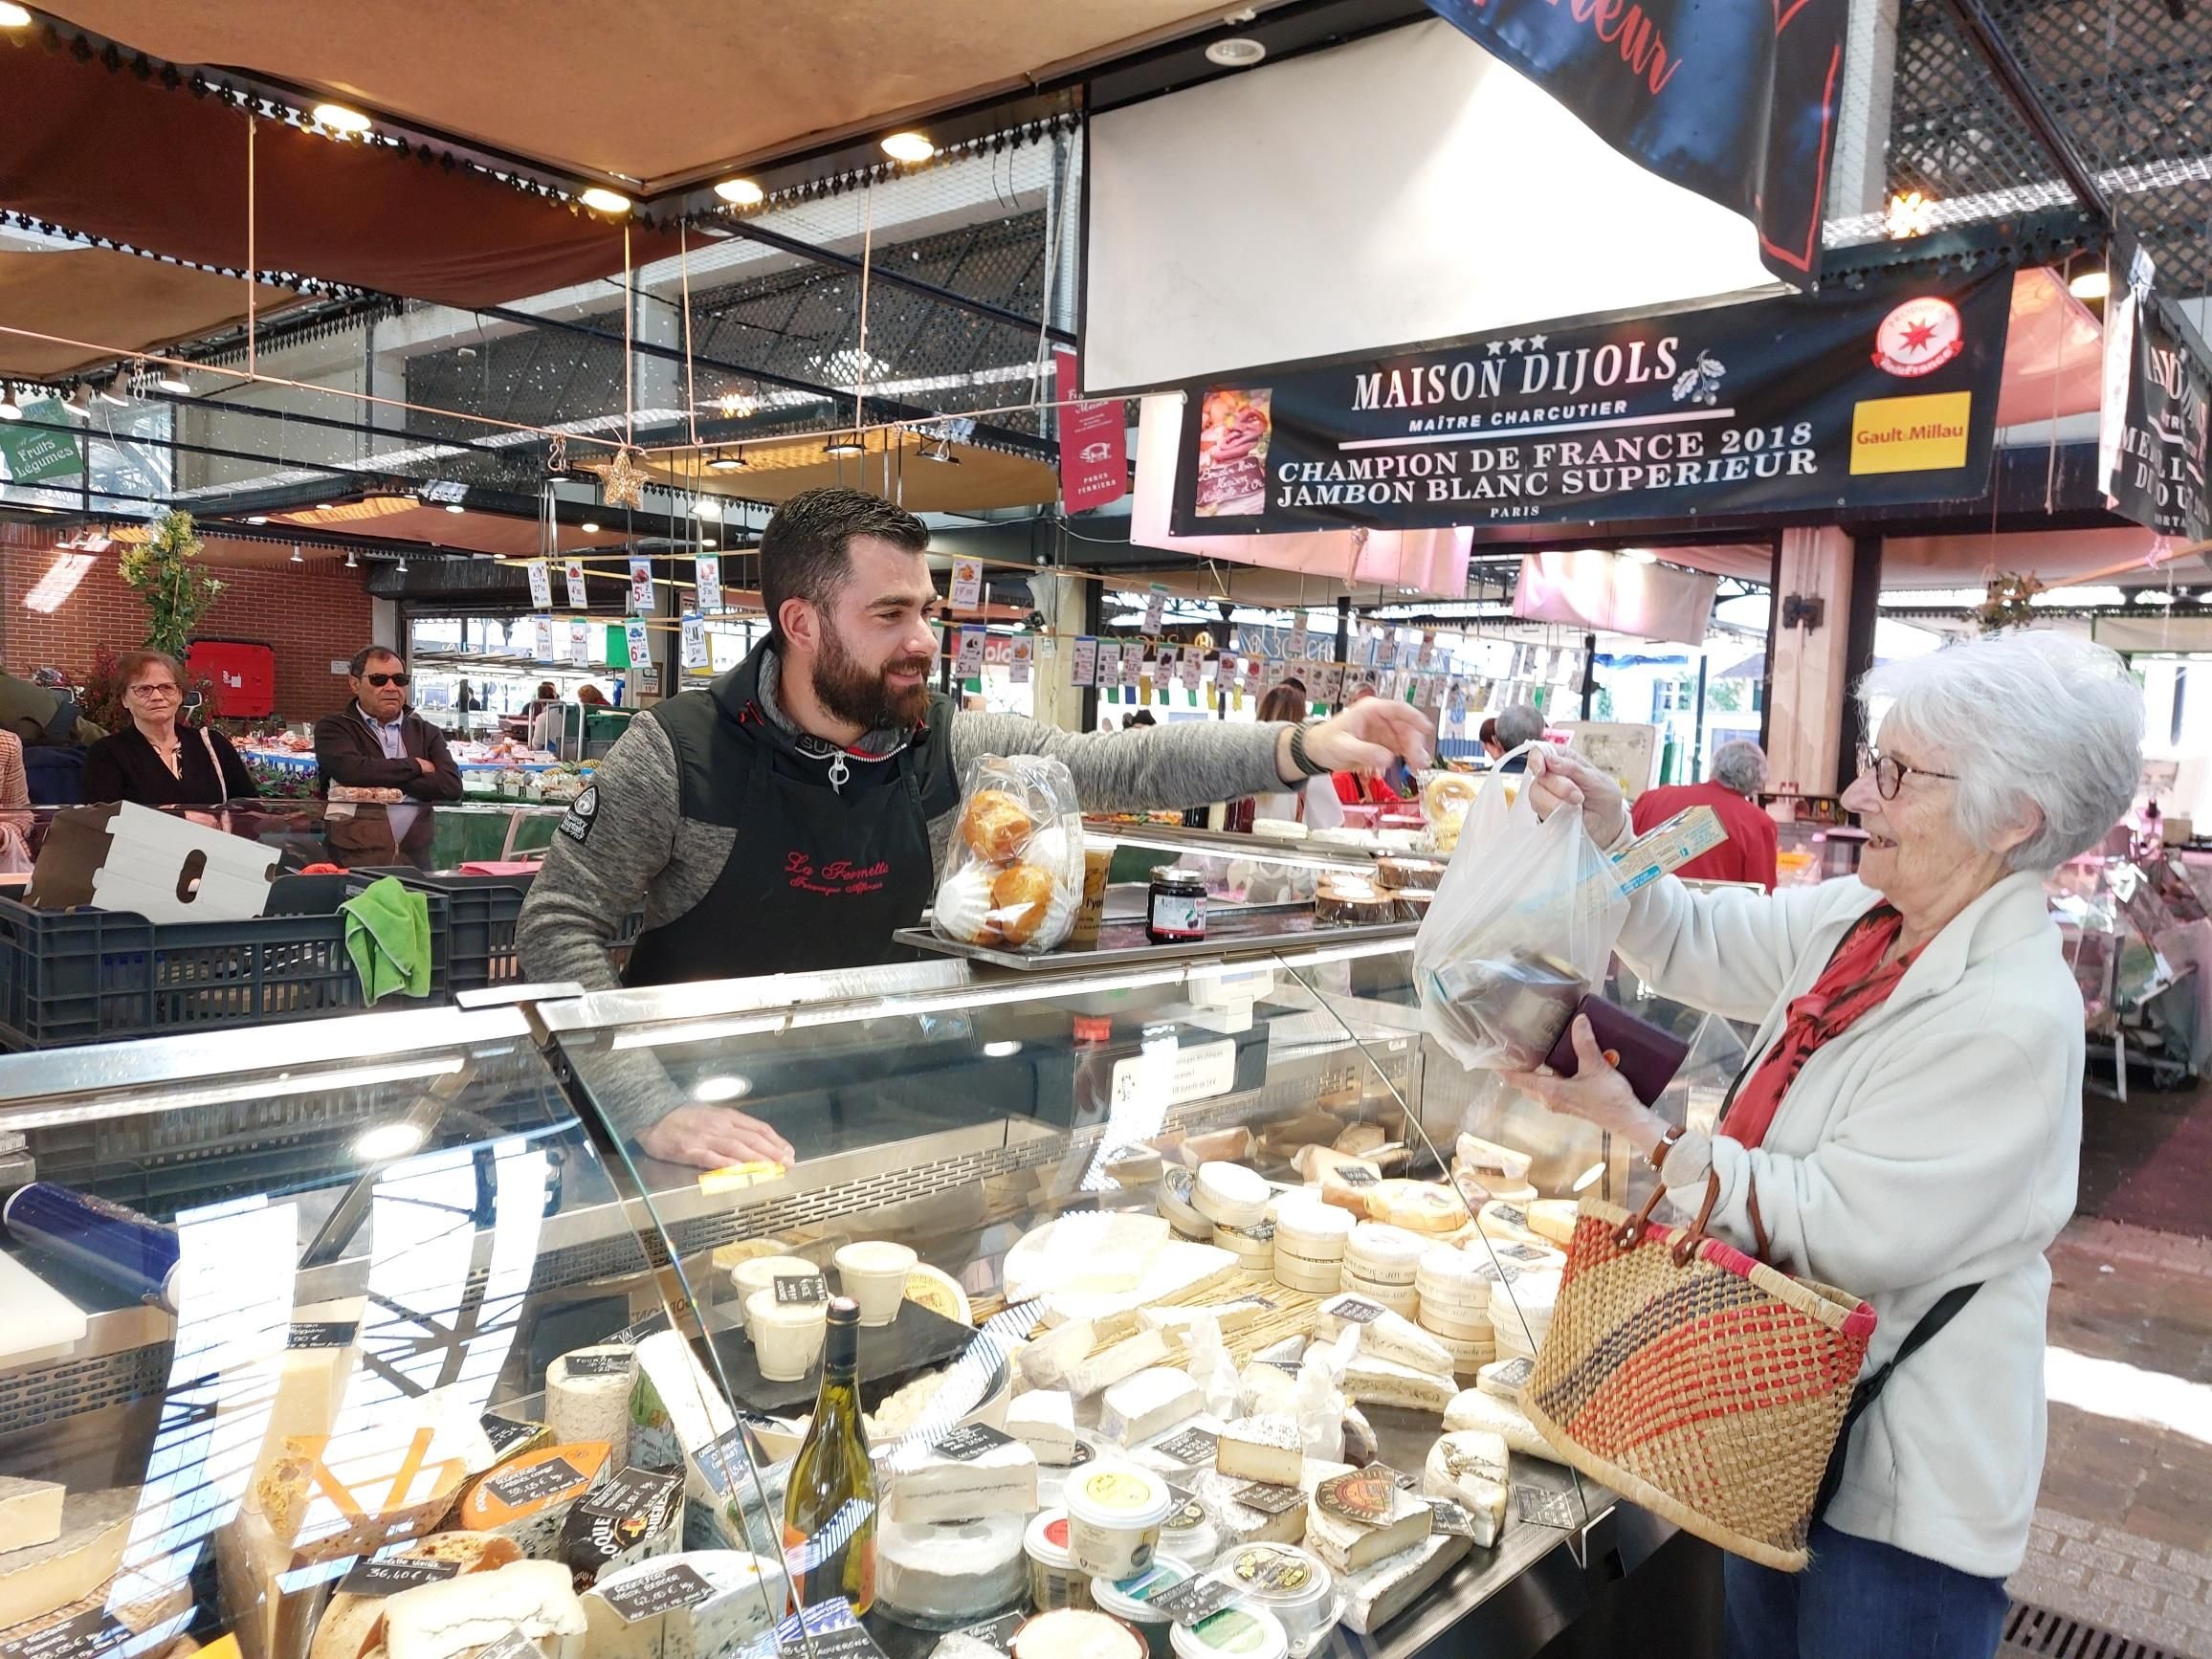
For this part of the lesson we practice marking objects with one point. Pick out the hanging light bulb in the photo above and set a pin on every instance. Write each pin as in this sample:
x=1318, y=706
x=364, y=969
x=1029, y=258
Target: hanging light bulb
x=351, y=563
x=9, y=408
x=403, y=563
x=297, y=559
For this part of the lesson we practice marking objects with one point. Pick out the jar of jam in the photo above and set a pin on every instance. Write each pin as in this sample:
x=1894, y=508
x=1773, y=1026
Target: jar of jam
x=1175, y=910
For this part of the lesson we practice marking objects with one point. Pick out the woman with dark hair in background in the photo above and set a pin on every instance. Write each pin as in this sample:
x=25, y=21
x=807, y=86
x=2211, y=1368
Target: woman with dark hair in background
x=158, y=759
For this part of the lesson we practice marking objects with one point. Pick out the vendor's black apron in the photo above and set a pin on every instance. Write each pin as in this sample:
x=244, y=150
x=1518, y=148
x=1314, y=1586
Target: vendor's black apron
x=817, y=877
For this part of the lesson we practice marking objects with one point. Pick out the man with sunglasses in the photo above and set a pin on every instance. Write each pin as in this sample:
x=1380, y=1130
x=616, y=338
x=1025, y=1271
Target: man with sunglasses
x=378, y=742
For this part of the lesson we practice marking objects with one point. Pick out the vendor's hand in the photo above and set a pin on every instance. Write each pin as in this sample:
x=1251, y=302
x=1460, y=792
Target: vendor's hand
x=1597, y=1093
x=709, y=1137
x=1559, y=778
x=1365, y=738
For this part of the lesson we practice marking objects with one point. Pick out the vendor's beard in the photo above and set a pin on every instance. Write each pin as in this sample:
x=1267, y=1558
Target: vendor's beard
x=861, y=696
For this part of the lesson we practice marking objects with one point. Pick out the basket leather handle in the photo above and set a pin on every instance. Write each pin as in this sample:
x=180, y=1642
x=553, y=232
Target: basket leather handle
x=1631, y=1231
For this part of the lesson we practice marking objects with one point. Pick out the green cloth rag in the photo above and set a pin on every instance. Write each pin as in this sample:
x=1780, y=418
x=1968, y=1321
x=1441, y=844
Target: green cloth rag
x=387, y=933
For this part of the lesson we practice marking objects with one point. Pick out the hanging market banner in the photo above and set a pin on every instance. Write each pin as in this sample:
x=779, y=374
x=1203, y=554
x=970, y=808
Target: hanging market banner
x=1093, y=442
x=2151, y=452
x=1790, y=405
x=1737, y=101
x=32, y=453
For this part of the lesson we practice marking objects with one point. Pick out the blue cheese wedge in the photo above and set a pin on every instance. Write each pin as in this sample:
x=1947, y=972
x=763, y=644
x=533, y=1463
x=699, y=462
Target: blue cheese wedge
x=457, y=1616
x=696, y=1605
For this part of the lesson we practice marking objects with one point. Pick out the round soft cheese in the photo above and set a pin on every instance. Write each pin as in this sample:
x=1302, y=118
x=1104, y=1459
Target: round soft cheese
x=1300, y=1274
x=1468, y=1357
x=962, y=1570
x=1230, y=1195
x=1474, y=1328
x=1420, y=1206
x=1178, y=1186
x=1383, y=1255
x=1254, y=1246
x=1403, y=1299
x=1315, y=1231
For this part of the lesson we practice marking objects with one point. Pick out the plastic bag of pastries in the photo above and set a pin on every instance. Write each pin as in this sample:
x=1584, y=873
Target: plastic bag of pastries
x=1013, y=874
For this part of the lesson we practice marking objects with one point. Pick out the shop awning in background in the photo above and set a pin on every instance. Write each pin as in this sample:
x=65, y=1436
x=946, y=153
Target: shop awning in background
x=148, y=166
x=974, y=479
x=2053, y=353
x=109, y=299
x=657, y=90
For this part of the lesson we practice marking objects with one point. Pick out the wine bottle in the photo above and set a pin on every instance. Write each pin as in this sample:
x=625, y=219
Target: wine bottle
x=829, y=1506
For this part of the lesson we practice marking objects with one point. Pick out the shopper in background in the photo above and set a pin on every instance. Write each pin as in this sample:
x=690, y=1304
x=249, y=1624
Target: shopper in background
x=587, y=692
x=15, y=818
x=378, y=742
x=1913, y=1126
x=1491, y=746
x=1141, y=718
x=1518, y=725
x=1739, y=775
x=39, y=713
x=159, y=760
x=1313, y=803
x=1359, y=788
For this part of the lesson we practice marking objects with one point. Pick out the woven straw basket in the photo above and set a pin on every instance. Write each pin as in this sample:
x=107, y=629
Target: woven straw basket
x=1696, y=1380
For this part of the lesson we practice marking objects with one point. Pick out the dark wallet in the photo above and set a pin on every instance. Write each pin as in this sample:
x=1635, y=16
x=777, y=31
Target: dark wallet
x=1650, y=1057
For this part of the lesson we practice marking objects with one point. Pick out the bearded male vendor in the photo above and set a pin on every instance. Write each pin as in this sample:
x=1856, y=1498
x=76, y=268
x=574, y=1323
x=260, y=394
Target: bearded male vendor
x=795, y=813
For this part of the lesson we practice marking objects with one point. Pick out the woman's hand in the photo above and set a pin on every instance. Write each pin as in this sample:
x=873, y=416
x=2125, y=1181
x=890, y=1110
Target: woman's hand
x=1558, y=779
x=709, y=1137
x=1597, y=1093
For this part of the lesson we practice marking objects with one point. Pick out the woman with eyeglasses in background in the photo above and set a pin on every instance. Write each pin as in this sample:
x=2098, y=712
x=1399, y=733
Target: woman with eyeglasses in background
x=1911, y=1127
x=159, y=760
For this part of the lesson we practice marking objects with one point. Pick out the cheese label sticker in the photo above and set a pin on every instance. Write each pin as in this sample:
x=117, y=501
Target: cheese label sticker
x=1511, y=1216
x=970, y=1441
x=514, y=1644
x=534, y=1484
x=801, y=1289
x=599, y=1364
x=1196, y=1599
x=1188, y=1513
x=1366, y=1496
x=678, y=1584
x=843, y=1642
x=1521, y=1252
x=1355, y=1310
x=1121, y=1489
x=1448, y=1517
x=1354, y=1175
x=1192, y=1447
x=389, y=1578
x=1267, y=1568
x=1515, y=1374
x=1268, y=1499
x=1546, y=1509
x=83, y=1637
x=506, y=1435
x=1259, y=1232
x=632, y=1493
x=1407, y=1480
x=629, y=1335
x=333, y=1333
x=996, y=1633
x=721, y=1459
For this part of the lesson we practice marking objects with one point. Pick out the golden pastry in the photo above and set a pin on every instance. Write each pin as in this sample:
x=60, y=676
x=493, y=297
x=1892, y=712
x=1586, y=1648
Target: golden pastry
x=996, y=825
x=1021, y=898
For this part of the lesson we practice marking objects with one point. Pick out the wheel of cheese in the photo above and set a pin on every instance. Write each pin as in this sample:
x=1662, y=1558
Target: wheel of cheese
x=1468, y=1357
x=1311, y=1230
x=939, y=1292
x=1383, y=1255
x=1451, y=1328
x=1315, y=1279
x=1554, y=1219
x=1398, y=1298
x=1420, y=1206
x=1230, y=1195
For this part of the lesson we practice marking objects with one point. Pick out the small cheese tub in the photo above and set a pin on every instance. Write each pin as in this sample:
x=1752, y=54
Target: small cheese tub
x=1291, y=1583
x=1114, y=1510
x=1233, y=1633
x=1054, y=1580
x=1130, y=1601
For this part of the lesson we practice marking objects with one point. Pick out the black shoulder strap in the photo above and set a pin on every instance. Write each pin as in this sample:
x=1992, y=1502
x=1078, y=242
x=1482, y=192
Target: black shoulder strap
x=1946, y=1309
x=932, y=754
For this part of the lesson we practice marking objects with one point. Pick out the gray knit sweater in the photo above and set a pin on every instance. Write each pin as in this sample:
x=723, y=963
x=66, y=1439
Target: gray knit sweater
x=641, y=846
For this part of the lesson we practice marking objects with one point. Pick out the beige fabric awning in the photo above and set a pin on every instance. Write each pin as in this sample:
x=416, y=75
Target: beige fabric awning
x=109, y=299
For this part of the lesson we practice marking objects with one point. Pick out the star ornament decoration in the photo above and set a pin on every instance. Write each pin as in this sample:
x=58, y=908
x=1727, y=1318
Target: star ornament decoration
x=621, y=480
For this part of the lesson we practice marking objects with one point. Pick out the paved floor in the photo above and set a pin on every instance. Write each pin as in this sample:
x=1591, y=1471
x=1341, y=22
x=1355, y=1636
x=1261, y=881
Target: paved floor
x=2124, y=1531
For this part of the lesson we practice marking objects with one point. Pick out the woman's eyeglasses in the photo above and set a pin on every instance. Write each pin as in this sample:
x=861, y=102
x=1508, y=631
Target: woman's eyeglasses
x=153, y=691
x=1890, y=771
x=385, y=679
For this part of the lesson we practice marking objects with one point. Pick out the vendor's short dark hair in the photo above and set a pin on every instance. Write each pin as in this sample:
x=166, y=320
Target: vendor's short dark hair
x=807, y=549
x=367, y=654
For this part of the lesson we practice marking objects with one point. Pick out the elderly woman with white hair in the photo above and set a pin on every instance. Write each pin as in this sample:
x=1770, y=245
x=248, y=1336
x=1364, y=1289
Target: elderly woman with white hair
x=1910, y=1128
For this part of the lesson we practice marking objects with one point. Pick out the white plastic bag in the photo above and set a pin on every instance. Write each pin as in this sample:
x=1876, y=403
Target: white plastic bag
x=1013, y=876
x=1521, y=930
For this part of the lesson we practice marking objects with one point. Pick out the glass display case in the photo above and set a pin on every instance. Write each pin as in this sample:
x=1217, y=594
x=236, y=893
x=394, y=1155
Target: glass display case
x=1184, y=1303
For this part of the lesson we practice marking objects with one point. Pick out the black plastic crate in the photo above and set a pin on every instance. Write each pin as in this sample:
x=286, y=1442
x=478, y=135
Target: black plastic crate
x=477, y=948
x=92, y=976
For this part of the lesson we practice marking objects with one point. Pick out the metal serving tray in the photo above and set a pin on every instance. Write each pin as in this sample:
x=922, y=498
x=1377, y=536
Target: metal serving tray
x=1251, y=930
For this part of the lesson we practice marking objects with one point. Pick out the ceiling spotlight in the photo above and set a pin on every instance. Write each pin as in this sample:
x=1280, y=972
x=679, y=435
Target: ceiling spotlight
x=403, y=563
x=708, y=542
x=719, y=1089
x=256, y=518
x=741, y=192
x=12, y=15
x=2090, y=285
x=847, y=444
x=80, y=402
x=339, y=119
x=722, y=462
x=455, y=507
x=737, y=405
x=1639, y=555
x=602, y=200
x=295, y=558
x=1910, y=213
x=590, y=527
x=9, y=408
x=1239, y=52
x=909, y=148
x=173, y=383
x=706, y=507
x=351, y=563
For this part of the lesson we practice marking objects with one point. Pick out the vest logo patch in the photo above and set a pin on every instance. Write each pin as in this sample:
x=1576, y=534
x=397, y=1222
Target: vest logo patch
x=583, y=813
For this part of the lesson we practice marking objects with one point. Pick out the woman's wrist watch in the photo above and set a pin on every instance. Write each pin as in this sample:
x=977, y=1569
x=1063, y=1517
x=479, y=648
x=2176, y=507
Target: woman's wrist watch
x=1306, y=764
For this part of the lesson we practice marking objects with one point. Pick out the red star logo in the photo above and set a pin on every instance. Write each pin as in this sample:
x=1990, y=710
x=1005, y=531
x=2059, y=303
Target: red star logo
x=1917, y=336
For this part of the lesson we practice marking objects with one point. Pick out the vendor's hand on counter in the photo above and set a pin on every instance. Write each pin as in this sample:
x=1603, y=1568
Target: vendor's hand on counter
x=1559, y=778
x=1597, y=1093
x=1365, y=738
x=710, y=1136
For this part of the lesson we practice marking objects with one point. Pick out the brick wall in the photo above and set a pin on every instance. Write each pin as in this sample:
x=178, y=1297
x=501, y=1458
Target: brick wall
x=312, y=615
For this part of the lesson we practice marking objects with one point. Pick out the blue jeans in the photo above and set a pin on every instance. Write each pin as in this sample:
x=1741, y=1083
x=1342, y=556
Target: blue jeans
x=1862, y=1600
